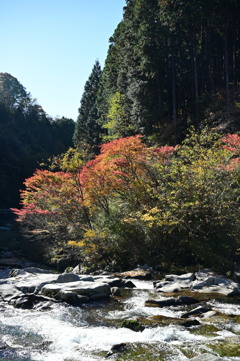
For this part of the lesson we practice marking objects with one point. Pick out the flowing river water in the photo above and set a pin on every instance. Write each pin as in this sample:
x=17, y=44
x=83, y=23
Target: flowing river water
x=87, y=333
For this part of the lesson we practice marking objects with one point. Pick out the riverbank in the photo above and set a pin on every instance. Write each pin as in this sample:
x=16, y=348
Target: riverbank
x=138, y=314
x=71, y=316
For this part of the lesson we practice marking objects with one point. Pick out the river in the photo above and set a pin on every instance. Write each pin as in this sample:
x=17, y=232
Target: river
x=87, y=333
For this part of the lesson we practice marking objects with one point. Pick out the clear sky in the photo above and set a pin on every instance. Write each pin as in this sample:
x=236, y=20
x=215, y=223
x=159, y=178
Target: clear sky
x=50, y=46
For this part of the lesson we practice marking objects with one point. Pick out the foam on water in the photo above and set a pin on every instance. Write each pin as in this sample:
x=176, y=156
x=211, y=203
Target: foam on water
x=69, y=335
x=76, y=342
x=227, y=308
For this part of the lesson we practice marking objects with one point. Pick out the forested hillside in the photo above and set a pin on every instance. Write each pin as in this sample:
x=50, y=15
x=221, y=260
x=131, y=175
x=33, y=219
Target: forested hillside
x=154, y=174
x=170, y=64
x=28, y=136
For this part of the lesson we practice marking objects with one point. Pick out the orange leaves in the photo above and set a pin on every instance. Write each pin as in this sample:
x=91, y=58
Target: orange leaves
x=232, y=142
x=118, y=165
x=49, y=191
x=121, y=170
x=164, y=151
x=28, y=210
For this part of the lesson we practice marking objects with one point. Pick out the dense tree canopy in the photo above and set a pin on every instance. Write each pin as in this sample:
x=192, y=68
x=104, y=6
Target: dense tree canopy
x=87, y=128
x=27, y=136
x=173, y=63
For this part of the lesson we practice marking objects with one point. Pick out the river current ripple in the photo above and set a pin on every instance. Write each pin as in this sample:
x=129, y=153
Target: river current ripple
x=66, y=333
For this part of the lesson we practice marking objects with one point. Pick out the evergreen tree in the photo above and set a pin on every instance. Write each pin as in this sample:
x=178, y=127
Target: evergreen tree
x=169, y=59
x=87, y=128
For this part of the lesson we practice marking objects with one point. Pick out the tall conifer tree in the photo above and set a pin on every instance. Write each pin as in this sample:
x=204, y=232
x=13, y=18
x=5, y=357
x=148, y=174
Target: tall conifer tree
x=87, y=128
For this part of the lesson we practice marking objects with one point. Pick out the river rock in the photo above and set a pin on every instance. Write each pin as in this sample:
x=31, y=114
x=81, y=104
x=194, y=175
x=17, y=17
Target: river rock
x=3, y=345
x=115, y=282
x=120, y=347
x=10, y=262
x=237, y=276
x=133, y=325
x=29, y=301
x=208, y=314
x=216, y=284
x=116, y=291
x=23, y=302
x=87, y=278
x=182, y=300
x=67, y=277
x=187, y=277
x=34, y=283
x=93, y=290
x=203, y=281
x=196, y=311
x=140, y=273
x=206, y=357
x=25, y=271
x=71, y=298
x=190, y=323
x=8, y=292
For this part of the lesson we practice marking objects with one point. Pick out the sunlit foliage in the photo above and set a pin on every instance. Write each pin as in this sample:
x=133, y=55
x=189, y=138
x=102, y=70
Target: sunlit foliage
x=133, y=203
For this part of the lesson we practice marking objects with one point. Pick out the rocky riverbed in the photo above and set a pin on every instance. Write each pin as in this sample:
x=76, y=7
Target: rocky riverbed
x=76, y=317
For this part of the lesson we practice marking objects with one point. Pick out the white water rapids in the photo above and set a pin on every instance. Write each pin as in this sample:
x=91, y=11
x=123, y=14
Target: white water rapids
x=65, y=333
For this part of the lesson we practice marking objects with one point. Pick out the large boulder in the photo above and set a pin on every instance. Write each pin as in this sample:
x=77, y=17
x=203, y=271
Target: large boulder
x=68, y=287
x=93, y=290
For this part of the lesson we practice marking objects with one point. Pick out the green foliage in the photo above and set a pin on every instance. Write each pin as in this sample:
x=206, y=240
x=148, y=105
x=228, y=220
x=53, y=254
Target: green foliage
x=12, y=93
x=167, y=59
x=87, y=128
x=118, y=124
x=133, y=204
x=27, y=136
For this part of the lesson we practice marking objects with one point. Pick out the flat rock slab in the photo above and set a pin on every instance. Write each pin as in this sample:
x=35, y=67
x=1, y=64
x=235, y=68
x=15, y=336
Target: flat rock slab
x=93, y=290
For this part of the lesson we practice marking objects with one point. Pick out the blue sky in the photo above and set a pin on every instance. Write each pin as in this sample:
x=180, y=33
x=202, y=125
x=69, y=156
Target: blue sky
x=50, y=46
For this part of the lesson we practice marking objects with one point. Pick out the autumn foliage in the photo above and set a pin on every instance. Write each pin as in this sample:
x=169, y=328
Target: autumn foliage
x=133, y=203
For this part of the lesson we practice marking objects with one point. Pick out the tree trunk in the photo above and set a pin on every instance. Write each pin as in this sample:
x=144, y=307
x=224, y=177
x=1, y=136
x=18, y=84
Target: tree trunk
x=226, y=62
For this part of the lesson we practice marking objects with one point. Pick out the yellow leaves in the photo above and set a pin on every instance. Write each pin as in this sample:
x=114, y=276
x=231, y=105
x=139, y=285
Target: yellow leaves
x=91, y=234
x=90, y=241
x=76, y=243
x=150, y=216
